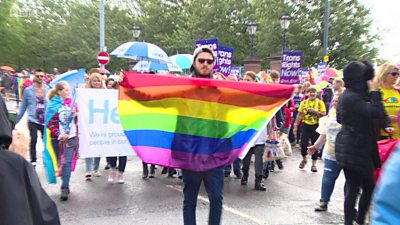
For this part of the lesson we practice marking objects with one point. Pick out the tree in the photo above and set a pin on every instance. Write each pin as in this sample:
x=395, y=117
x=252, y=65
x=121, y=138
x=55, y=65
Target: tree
x=11, y=37
x=66, y=37
x=175, y=25
x=65, y=33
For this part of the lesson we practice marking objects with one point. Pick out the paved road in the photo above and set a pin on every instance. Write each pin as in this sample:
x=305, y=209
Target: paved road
x=290, y=197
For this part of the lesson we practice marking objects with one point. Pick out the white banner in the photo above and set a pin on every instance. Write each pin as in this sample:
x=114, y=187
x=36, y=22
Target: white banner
x=100, y=132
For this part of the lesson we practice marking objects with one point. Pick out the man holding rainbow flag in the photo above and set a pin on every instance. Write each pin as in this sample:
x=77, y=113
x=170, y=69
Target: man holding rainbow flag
x=196, y=124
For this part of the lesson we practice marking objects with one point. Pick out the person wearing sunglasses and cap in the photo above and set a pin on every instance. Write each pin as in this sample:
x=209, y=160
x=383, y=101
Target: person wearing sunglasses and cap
x=387, y=75
x=34, y=101
x=202, y=67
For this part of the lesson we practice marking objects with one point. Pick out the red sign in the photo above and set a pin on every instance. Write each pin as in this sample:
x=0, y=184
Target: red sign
x=103, y=58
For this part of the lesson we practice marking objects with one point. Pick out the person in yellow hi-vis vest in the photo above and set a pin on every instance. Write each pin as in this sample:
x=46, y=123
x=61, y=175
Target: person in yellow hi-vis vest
x=310, y=110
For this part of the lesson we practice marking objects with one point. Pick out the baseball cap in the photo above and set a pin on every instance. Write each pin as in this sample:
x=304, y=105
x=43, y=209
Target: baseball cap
x=199, y=50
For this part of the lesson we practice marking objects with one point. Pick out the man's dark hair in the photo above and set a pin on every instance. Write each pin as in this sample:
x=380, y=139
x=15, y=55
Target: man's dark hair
x=39, y=70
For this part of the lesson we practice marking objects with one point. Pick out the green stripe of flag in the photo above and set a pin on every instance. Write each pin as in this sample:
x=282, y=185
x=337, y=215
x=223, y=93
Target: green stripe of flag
x=185, y=125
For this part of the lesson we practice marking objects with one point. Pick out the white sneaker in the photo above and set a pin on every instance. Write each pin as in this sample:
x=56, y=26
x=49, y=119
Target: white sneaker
x=97, y=173
x=120, y=178
x=112, y=176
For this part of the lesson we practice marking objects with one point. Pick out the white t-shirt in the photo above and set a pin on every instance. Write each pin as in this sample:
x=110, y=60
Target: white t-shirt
x=330, y=127
x=261, y=139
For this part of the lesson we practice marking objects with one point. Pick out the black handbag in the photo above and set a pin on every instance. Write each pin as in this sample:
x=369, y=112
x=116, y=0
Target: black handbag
x=5, y=126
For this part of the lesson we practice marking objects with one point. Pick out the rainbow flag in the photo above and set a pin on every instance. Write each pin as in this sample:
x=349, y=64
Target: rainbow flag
x=49, y=153
x=193, y=123
x=18, y=90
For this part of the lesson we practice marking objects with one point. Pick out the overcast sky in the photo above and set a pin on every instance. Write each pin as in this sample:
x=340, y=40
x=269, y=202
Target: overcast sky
x=386, y=21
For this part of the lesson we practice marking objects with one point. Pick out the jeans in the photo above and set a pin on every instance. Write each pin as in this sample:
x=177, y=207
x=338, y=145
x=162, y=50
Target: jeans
x=258, y=152
x=69, y=153
x=236, y=166
x=92, y=164
x=121, y=162
x=331, y=173
x=33, y=129
x=214, y=184
x=354, y=181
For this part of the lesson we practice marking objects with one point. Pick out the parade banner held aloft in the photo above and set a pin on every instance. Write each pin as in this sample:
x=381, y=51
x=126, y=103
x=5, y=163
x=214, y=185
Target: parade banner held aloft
x=237, y=71
x=321, y=67
x=100, y=131
x=291, y=67
x=224, y=60
x=213, y=44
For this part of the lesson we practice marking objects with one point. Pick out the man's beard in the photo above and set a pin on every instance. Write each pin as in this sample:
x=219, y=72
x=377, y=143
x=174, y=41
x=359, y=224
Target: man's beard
x=201, y=74
x=36, y=81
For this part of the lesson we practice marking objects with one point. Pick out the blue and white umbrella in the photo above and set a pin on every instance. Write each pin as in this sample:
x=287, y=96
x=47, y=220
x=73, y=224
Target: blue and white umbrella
x=141, y=51
x=184, y=61
x=146, y=66
x=75, y=78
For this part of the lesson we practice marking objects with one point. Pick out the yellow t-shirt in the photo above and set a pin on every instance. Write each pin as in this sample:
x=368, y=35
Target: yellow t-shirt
x=311, y=118
x=391, y=102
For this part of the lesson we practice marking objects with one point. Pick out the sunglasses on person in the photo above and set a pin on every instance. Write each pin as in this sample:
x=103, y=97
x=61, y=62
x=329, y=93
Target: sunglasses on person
x=209, y=61
x=394, y=73
x=39, y=76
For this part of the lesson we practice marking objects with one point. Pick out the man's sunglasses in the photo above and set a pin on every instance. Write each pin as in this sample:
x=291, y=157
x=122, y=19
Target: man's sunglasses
x=209, y=61
x=39, y=76
x=394, y=73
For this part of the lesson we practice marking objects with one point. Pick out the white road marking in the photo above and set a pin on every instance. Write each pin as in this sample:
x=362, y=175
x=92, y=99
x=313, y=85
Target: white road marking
x=225, y=207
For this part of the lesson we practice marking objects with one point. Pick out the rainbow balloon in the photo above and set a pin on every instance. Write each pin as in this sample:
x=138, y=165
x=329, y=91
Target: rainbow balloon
x=192, y=123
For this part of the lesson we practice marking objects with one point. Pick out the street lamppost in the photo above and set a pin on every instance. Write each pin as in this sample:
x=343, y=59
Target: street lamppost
x=252, y=28
x=136, y=32
x=135, y=35
x=285, y=21
x=326, y=27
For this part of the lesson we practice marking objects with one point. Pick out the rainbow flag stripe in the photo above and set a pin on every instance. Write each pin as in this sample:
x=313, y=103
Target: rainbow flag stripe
x=49, y=157
x=192, y=123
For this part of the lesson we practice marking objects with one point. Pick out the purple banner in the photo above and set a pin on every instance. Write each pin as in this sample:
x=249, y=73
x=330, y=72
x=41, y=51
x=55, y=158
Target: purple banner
x=213, y=44
x=291, y=67
x=224, y=60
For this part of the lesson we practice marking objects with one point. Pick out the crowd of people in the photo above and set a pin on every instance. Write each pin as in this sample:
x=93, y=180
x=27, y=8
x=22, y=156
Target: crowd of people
x=341, y=125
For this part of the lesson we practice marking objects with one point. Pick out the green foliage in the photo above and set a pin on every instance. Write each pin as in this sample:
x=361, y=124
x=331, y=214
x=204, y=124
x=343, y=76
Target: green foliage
x=11, y=37
x=65, y=33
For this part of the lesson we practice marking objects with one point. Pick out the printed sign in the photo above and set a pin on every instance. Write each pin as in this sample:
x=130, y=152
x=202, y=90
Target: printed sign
x=291, y=67
x=100, y=131
x=237, y=71
x=224, y=60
